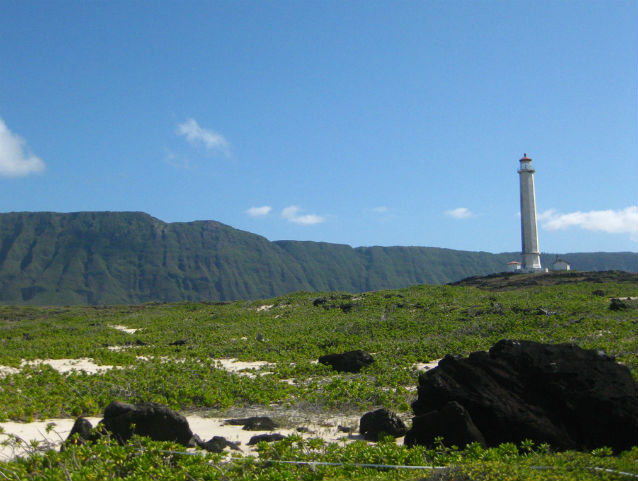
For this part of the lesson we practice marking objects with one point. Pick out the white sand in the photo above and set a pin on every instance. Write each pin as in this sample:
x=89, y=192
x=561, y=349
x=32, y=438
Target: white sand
x=6, y=370
x=35, y=431
x=67, y=365
x=426, y=366
x=204, y=427
x=161, y=358
x=128, y=330
x=266, y=307
x=241, y=367
x=61, y=365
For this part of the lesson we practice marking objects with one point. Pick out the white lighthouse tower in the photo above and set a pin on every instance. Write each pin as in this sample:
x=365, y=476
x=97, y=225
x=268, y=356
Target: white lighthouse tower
x=529, y=234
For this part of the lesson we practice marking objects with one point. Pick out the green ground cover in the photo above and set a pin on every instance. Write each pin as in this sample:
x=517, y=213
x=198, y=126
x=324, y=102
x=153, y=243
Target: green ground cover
x=401, y=328
x=143, y=459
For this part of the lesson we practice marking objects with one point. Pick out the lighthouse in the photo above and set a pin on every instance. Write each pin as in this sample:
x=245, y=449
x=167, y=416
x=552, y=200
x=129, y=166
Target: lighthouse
x=529, y=233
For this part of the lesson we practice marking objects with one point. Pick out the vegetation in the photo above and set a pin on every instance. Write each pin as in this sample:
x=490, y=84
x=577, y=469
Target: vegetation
x=97, y=258
x=400, y=327
x=143, y=459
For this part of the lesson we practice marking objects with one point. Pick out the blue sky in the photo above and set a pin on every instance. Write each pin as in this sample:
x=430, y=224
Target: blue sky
x=358, y=122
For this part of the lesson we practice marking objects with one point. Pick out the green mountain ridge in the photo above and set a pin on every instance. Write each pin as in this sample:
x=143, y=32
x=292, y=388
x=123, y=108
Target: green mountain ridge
x=95, y=258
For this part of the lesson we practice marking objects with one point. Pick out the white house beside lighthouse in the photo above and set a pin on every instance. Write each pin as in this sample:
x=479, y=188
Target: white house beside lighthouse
x=531, y=256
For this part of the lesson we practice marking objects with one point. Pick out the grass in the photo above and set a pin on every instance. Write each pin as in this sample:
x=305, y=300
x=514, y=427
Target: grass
x=143, y=459
x=400, y=327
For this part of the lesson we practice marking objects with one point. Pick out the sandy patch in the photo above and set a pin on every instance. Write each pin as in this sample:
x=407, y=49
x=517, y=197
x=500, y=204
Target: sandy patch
x=128, y=330
x=25, y=433
x=265, y=307
x=63, y=366
x=20, y=435
x=118, y=348
x=206, y=428
x=6, y=370
x=426, y=366
x=243, y=368
x=327, y=430
x=161, y=359
x=67, y=365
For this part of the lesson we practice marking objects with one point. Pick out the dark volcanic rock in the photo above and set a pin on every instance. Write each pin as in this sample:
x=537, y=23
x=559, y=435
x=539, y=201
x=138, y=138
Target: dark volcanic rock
x=255, y=423
x=351, y=361
x=319, y=301
x=217, y=444
x=80, y=433
x=560, y=394
x=452, y=422
x=379, y=422
x=269, y=438
x=149, y=419
x=347, y=307
x=617, y=305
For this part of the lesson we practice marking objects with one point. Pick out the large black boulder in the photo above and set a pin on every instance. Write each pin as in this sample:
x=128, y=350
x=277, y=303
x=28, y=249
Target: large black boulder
x=452, y=423
x=560, y=394
x=351, y=361
x=381, y=421
x=155, y=421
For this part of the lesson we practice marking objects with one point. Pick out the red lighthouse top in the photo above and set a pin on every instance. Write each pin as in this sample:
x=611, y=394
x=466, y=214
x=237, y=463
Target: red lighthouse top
x=525, y=158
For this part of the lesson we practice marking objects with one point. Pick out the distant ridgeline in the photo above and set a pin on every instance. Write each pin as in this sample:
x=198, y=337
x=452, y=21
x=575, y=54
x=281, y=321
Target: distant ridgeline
x=130, y=257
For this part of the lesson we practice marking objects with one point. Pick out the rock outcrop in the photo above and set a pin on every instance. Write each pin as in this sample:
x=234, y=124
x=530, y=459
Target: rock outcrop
x=268, y=438
x=217, y=444
x=381, y=421
x=158, y=422
x=81, y=433
x=254, y=423
x=452, y=423
x=351, y=361
x=559, y=394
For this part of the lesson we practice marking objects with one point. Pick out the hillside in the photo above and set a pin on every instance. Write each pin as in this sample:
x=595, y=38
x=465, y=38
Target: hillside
x=130, y=257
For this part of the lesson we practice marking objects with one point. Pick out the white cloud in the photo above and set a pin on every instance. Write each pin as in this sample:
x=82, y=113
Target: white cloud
x=382, y=209
x=545, y=215
x=177, y=161
x=293, y=214
x=259, y=211
x=15, y=159
x=460, y=213
x=195, y=134
x=610, y=221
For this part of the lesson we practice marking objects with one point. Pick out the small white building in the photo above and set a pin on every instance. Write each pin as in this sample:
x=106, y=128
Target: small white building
x=561, y=265
x=514, y=266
